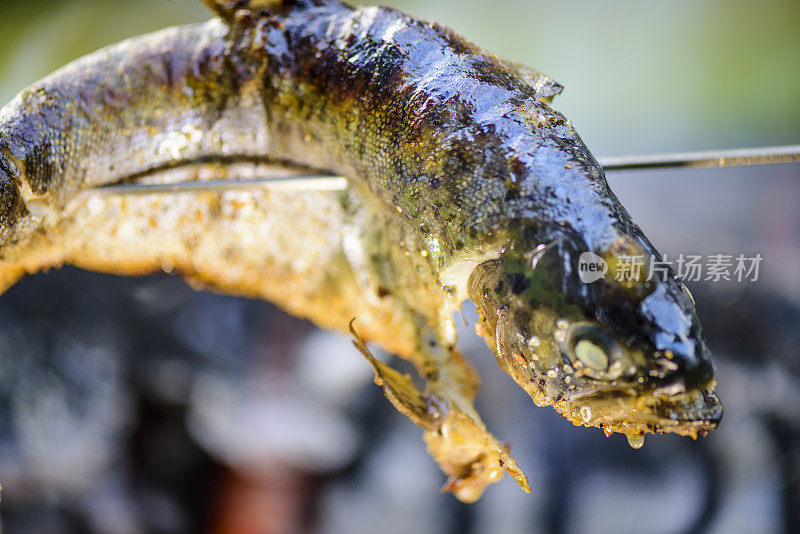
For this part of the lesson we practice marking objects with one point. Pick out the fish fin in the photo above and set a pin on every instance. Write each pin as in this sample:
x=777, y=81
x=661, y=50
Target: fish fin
x=457, y=439
x=226, y=9
x=409, y=400
x=471, y=456
x=544, y=86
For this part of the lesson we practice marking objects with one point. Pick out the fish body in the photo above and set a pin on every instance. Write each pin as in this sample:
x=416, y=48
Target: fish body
x=463, y=183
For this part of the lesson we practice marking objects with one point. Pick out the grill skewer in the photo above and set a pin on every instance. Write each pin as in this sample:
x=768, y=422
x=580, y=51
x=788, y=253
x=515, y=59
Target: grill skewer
x=321, y=182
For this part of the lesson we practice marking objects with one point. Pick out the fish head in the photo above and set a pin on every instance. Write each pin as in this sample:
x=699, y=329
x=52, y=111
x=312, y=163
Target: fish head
x=623, y=353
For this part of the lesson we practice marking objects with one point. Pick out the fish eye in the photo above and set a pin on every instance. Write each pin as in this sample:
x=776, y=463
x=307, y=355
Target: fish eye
x=595, y=352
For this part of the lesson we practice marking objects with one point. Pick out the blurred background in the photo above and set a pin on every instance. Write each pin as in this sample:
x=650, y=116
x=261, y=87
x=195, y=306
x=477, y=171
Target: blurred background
x=140, y=405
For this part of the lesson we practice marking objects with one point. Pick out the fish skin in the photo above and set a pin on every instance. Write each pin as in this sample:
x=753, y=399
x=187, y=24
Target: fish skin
x=457, y=164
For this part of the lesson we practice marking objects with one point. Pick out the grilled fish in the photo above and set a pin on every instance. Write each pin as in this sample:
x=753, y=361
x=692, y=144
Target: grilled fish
x=463, y=183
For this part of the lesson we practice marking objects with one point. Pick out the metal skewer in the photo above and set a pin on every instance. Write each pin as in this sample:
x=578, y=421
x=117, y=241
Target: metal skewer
x=287, y=183
x=711, y=159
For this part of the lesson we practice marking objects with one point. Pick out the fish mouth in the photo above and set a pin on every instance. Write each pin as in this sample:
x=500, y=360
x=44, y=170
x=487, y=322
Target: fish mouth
x=697, y=412
x=693, y=413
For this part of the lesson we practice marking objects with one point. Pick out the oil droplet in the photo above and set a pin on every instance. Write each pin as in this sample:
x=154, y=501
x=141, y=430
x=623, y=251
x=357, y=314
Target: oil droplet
x=534, y=341
x=635, y=440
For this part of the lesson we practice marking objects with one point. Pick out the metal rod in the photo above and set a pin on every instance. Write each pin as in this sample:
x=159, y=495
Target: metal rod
x=711, y=159
x=288, y=183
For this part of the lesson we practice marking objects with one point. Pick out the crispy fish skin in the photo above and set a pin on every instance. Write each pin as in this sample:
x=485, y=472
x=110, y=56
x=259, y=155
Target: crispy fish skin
x=464, y=183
